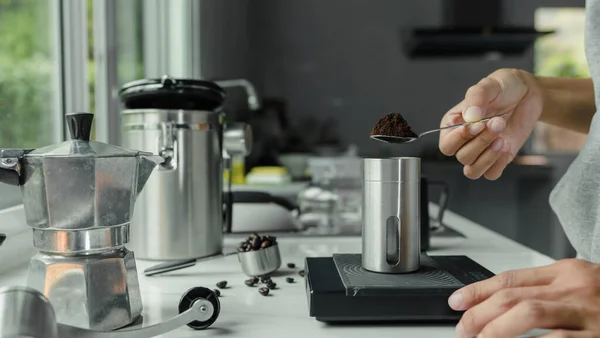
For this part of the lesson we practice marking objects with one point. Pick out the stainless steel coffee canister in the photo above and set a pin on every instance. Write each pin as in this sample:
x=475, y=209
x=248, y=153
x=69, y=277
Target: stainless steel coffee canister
x=180, y=214
x=391, y=214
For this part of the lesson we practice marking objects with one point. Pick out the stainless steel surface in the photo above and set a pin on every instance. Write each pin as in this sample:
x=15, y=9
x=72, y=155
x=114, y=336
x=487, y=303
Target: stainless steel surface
x=99, y=292
x=27, y=313
x=179, y=215
x=400, y=139
x=79, y=198
x=390, y=214
x=78, y=185
x=253, y=100
x=82, y=241
x=261, y=262
x=237, y=139
x=79, y=193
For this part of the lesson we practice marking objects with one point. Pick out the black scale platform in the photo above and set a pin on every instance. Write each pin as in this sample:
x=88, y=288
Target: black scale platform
x=340, y=290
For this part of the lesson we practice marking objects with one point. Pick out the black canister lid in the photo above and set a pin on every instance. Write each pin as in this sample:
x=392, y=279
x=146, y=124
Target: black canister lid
x=172, y=94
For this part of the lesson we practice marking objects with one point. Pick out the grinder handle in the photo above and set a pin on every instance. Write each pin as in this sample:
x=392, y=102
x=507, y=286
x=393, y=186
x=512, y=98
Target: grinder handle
x=201, y=310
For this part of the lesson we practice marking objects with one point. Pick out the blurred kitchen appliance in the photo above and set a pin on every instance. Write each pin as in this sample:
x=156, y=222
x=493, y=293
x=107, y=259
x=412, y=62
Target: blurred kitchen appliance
x=470, y=28
x=391, y=280
x=27, y=313
x=331, y=203
x=79, y=197
x=433, y=225
x=391, y=237
x=182, y=212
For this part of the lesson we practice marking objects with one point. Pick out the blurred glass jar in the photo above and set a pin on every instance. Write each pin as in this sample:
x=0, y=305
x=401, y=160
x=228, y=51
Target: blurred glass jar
x=331, y=204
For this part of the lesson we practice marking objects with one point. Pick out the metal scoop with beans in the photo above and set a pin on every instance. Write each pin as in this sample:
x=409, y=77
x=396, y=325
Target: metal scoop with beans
x=258, y=256
x=393, y=128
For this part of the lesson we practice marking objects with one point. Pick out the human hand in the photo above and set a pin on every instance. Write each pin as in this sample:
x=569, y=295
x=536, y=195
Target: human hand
x=563, y=297
x=485, y=149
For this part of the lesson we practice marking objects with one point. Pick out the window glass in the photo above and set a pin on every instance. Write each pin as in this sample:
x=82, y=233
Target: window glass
x=27, y=80
x=130, y=48
x=560, y=54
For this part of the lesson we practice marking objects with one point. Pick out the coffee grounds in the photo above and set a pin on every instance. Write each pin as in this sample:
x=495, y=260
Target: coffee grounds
x=393, y=125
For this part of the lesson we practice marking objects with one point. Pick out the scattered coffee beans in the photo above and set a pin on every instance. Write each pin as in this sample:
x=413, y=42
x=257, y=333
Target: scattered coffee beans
x=393, y=125
x=301, y=273
x=291, y=265
x=222, y=284
x=256, y=242
x=254, y=279
x=249, y=282
x=263, y=291
x=272, y=285
x=265, y=280
x=289, y=280
x=217, y=292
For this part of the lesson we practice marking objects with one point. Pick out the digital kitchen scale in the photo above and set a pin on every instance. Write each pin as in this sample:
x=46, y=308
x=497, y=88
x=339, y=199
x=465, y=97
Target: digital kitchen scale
x=339, y=290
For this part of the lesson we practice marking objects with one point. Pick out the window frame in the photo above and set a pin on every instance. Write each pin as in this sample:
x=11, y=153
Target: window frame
x=107, y=117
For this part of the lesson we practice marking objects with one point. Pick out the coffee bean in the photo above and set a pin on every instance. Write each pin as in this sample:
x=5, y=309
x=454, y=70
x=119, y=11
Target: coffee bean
x=301, y=273
x=289, y=280
x=254, y=279
x=222, y=284
x=263, y=291
x=272, y=285
x=265, y=244
x=256, y=243
x=265, y=280
x=217, y=292
x=291, y=265
x=249, y=282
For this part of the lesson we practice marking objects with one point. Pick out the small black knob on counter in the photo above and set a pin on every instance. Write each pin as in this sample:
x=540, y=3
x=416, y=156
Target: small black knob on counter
x=80, y=125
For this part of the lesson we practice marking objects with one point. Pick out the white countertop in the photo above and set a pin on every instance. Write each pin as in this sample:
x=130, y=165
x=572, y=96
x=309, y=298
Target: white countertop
x=284, y=313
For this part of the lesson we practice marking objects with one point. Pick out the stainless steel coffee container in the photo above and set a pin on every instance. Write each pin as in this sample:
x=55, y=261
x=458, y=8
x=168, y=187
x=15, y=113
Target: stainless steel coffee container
x=181, y=212
x=179, y=215
x=391, y=214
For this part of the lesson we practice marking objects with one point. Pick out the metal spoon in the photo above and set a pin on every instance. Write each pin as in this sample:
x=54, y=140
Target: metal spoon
x=407, y=139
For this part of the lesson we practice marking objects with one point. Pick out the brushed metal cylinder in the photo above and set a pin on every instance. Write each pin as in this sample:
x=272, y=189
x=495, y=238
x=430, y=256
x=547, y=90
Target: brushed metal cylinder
x=179, y=214
x=260, y=262
x=25, y=312
x=391, y=241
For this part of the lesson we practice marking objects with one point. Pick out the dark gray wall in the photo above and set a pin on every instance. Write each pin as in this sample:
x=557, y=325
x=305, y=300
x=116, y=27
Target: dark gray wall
x=342, y=59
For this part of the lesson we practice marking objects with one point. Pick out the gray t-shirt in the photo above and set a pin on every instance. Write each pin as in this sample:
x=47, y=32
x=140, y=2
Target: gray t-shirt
x=576, y=197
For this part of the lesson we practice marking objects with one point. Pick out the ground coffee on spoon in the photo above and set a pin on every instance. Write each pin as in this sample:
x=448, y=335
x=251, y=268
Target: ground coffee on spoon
x=393, y=125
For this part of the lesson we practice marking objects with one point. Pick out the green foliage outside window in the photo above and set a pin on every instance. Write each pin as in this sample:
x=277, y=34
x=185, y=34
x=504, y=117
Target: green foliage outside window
x=27, y=63
x=26, y=73
x=561, y=54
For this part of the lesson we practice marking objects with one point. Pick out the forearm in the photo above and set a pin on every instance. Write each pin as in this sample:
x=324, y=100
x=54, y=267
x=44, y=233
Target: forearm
x=567, y=103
